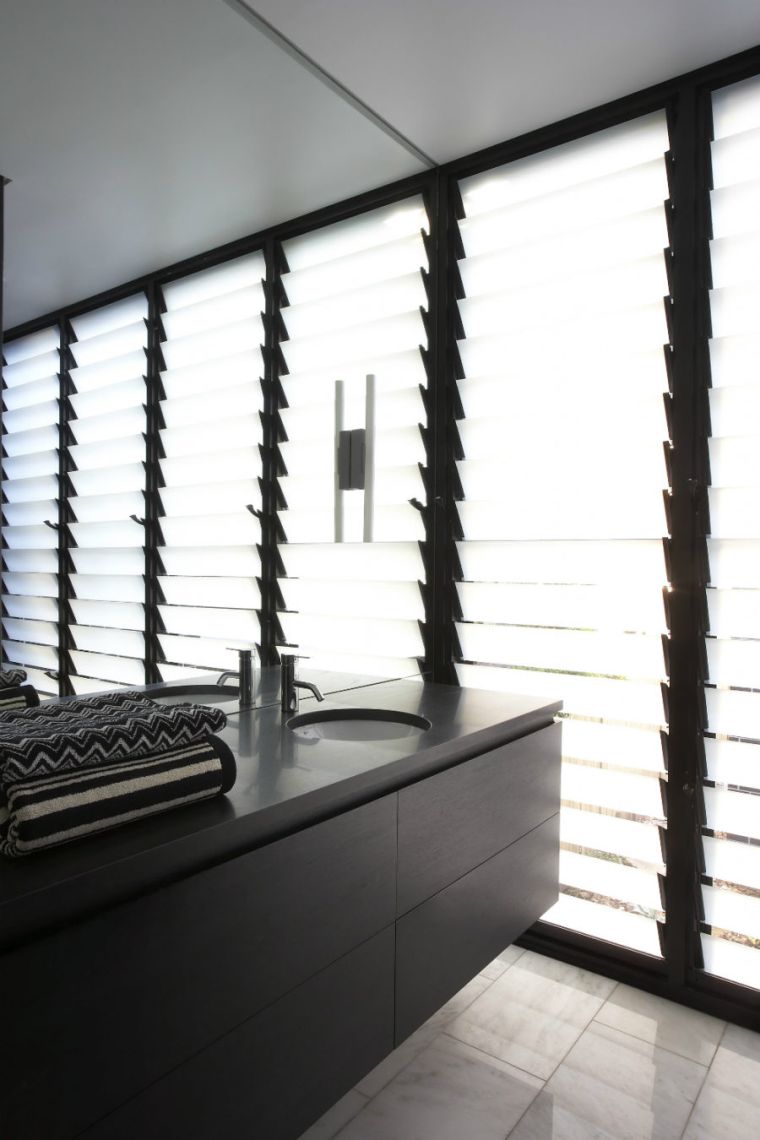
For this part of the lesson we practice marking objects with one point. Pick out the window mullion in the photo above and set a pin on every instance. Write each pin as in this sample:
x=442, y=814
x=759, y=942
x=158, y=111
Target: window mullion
x=152, y=443
x=270, y=632
x=689, y=373
x=441, y=589
x=65, y=616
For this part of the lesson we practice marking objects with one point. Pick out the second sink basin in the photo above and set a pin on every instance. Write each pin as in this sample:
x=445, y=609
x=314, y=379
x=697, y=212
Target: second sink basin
x=357, y=724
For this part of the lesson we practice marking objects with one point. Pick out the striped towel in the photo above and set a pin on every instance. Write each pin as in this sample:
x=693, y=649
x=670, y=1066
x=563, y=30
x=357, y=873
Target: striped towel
x=51, y=810
x=12, y=676
x=44, y=743
x=16, y=697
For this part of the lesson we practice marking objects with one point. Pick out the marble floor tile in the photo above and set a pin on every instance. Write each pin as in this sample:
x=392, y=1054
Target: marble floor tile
x=625, y=1087
x=532, y=1015
x=719, y=1116
x=449, y=1092
x=391, y=1065
x=685, y=1031
x=501, y=963
x=336, y=1117
x=736, y=1067
x=728, y=1108
x=548, y=1119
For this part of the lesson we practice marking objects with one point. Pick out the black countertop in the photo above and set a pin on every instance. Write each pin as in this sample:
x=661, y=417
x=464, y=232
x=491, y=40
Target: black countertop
x=284, y=784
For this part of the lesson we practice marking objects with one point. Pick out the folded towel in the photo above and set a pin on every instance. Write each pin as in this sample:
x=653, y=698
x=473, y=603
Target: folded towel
x=17, y=697
x=12, y=676
x=50, y=810
x=56, y=714
x=43, y=743
x=26, y=700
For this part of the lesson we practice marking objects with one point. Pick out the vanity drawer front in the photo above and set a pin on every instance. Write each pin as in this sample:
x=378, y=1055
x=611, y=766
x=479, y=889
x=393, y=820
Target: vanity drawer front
x=451, y=822
x=274, y=1075
x=103, y=1008
x=447, y=940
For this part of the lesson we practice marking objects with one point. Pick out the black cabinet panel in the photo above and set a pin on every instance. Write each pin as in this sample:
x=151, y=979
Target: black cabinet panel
x=445, y=941
x=455, y=820
x=273, y=1076
x=103, y=1008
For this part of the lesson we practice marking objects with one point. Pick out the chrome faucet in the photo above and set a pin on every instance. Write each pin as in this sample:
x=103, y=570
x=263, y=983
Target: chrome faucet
x=244, y=675
x=289, y=686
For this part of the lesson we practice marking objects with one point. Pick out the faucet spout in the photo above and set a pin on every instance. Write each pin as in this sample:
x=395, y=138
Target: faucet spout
x=244, y=677
x=310, y=686
x=289, y=686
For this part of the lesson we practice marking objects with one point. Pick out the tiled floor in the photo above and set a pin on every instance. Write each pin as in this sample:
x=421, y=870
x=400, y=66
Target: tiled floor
x=533, y=1049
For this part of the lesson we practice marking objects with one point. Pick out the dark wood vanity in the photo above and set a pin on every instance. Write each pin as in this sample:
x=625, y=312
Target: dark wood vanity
x=243, y=995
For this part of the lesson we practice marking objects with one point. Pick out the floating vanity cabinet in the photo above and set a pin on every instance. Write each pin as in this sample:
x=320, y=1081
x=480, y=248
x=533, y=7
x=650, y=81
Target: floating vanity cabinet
x=243, y=995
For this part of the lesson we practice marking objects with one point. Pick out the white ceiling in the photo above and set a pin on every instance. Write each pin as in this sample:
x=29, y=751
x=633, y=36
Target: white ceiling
x=140, y=132
x=458, y=75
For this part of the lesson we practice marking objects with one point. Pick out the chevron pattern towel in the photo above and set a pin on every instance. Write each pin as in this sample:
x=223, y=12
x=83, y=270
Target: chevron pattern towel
x=12, y=676
x=50, y=810
x=68, y=737
x=82, y=706
x=58, y=716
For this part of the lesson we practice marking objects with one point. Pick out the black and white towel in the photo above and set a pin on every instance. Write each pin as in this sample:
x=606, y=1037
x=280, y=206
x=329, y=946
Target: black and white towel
x=41, y=743
x=11, y=677
x=16, y=697
x=57, y=714
x=51, y=810
x=14, y=694
x=76, y=707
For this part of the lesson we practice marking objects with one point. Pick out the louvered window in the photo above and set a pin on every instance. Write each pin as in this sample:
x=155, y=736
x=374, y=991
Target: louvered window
x=565, y=477
x=106, y=504
x=355, y=299
x=30, y=464
x=731, y=884
x=210, y=467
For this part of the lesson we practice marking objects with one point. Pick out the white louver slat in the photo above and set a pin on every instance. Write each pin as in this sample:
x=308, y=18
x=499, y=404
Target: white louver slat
x=31, y=387
x=564, y=479
x=210, y=466
x=355, y=291
x=106, y=459
x=731, y=884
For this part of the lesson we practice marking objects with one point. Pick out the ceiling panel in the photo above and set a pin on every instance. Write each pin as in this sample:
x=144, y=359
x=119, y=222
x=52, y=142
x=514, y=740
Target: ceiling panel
x=455, y=76
x=140, y=132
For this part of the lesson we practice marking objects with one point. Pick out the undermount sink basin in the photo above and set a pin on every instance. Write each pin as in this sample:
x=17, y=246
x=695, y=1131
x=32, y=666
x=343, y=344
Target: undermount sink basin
x=194, y=694
x=357, y=724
